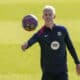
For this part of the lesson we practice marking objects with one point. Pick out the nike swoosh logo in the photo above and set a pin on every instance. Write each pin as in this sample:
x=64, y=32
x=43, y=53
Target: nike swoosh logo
x=45, y=35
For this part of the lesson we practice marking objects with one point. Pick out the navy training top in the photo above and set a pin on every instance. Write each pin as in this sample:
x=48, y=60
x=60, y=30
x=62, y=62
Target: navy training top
x=53, y=44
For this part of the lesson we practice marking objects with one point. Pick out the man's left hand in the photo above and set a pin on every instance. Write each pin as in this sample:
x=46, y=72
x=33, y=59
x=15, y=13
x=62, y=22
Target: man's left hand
x=78, y=69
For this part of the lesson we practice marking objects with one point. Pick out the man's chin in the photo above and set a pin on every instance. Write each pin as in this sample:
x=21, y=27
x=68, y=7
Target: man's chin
x=48, y=22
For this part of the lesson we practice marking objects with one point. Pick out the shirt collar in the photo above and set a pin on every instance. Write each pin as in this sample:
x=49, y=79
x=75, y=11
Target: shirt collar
x=54, y=25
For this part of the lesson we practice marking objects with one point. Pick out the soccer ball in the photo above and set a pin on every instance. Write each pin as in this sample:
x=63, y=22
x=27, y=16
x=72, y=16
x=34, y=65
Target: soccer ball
x=30, y=22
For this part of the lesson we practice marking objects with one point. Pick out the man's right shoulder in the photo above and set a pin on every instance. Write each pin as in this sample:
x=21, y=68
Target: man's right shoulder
x=41, y=31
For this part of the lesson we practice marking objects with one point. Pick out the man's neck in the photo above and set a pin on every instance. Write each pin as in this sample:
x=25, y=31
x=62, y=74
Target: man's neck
x=51, y=25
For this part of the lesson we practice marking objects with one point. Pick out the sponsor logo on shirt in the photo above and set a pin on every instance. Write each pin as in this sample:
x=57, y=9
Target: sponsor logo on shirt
x=55, y=45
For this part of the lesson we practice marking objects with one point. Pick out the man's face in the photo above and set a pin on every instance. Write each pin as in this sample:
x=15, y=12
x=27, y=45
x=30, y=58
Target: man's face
x=48, y=16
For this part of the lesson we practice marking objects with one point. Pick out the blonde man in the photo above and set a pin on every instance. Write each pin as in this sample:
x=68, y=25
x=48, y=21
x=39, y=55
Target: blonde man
x=53, y=40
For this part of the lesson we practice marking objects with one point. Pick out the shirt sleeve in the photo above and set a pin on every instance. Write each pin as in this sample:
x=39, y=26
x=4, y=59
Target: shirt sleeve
x=33, y=40
x=71, y=48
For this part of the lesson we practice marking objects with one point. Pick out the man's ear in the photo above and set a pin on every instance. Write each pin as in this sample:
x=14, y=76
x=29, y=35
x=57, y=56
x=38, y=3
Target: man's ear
x=54, y=16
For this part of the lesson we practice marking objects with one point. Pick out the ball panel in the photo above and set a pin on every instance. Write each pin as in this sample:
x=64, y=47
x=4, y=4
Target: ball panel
x=30, y=22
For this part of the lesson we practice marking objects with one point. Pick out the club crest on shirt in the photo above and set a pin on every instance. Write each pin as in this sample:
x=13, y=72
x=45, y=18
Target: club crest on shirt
x=59, y=33
x=55, y=45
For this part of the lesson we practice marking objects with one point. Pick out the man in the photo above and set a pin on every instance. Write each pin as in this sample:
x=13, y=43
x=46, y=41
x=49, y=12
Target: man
x=53, y=40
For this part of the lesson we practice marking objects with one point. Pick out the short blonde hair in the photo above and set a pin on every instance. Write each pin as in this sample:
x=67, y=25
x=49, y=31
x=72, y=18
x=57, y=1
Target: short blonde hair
x=47, y=7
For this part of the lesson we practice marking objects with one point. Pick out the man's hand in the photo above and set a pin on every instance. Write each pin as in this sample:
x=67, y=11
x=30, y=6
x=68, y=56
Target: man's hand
x=78, y=69
x=24, y=46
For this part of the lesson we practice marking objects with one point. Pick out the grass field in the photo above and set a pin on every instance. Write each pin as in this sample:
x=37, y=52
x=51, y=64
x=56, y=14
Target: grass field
x=18, y=65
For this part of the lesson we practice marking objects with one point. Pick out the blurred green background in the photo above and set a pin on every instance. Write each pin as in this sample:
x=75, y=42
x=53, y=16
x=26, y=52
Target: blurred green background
x=18, y=65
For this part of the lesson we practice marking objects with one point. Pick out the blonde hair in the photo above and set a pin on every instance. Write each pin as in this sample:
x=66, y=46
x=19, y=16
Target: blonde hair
x=47, y=7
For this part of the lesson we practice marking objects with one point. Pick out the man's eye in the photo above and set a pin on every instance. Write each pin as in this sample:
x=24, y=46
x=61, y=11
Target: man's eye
x=45, y=14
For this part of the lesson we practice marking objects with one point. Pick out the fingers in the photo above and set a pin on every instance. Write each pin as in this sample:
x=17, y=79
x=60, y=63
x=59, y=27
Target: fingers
x=24, y=47
x=78, y=69
x=78, y=72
